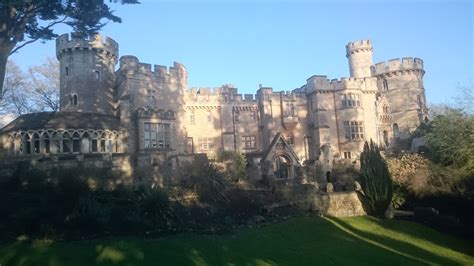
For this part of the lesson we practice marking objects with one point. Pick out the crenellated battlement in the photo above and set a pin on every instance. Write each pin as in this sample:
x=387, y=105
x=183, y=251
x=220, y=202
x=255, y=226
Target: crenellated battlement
x=70, y=42
x=130, y=65
x=323, y=83
x=218, y=94
x=358, y=46
x=394, y=65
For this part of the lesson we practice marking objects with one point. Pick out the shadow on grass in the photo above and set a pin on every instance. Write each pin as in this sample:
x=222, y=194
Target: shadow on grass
x=298, y=241
x=401, y=245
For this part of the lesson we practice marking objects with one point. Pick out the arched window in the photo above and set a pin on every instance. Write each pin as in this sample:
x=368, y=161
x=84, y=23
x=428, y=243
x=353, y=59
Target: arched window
x=66, y=143
x=102, y=142
x=27, y=142
x=55, y=143
x=36, y=143
x=76, y=142
x=85, y=143
x=385, y=138
x=67, y=71
x=97, y=75
x=95, y=136
x=282, y=167
x=46, y=143
x=74, y=99
x=396, y=132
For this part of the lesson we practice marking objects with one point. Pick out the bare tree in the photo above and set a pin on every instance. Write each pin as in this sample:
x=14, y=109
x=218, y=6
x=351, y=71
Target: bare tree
x=16, y=94
x=44, y=81
x=465, y=98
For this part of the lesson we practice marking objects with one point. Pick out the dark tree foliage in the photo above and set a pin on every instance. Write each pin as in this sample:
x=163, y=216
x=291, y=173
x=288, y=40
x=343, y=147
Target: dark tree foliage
x=376, y=181
x=25, y=21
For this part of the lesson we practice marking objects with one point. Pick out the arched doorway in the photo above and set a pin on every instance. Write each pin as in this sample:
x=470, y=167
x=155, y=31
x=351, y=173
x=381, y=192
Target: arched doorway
x=282, y=167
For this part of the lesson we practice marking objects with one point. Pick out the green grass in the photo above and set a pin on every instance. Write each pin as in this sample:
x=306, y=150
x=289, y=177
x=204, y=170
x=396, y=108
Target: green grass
x=298, y=241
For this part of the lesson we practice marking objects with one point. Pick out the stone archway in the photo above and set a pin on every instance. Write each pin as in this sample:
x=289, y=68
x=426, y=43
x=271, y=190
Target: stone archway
x=282, y=166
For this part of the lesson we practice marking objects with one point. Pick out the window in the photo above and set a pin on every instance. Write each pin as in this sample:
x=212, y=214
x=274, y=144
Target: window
x=248, y=142
x=347, y=155
x=290, y=139
x=209, y=116
x=385, y=84
x=205, y=143
x=36, y=143
x=253, y=115
x=74, y=99
x=150, y=101
x=350, y=100
x=67, y=71
x=192, y=118
x=236, y=116
x=66, y=143
x=353, y=130
x=385, y=109
x=76, y=142
x=97, y=75
x=289, y=109
x=157, y=136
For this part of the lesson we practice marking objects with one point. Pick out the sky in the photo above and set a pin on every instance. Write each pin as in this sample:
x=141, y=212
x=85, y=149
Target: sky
x=280, y=44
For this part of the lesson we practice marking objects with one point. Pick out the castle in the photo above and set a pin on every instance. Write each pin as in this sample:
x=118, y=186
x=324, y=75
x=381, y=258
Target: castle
x=139, y=113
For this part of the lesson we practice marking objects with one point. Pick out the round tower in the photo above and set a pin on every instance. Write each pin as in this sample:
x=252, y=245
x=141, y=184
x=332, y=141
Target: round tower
x=87, y=67
x=400, y=81
x=359, y=54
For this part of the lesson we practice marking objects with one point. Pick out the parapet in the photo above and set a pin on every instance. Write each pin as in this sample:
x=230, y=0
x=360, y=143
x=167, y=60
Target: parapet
x=394, y=65
x=358, y=46
x=74, y=41
x=322, y=83
x=130, y=64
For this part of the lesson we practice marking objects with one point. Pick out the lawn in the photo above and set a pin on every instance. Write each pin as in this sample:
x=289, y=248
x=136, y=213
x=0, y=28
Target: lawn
x=297, y=241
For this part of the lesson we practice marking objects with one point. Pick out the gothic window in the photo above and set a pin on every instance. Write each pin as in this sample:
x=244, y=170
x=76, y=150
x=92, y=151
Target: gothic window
x=85, y=143
x=209, y=115
x=76, y=142
x=97, y=75
x=36, y=143
x=385, y=84
x=347, y=155
x=74, y=99
x=236, y=116
x=253, y=116
x=248, y=142
x=66, y=143
x=353, y=130
x=350, y=100
x=27, y=144
x=396, y=132
x=94, y=142
x=289, y=109
x=205, y=143
x=192, y=118
x=150, y=102
x=67, y=71
x=55, y=143
x=46, y=142
x=157, y=136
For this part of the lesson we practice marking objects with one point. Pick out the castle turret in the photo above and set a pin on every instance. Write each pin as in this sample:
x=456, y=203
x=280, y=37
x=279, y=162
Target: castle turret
x=86, y=73
x=359, y=54
x=401, y=82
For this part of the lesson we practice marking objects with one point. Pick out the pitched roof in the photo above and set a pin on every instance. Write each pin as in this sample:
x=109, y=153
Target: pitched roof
x=289, y=148
x=63, y=120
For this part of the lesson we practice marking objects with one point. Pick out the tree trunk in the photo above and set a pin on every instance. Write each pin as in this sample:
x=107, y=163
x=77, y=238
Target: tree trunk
x=5, y=50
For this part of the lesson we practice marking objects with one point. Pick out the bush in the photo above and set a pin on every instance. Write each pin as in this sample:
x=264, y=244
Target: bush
x=235, y=165
x=375, y=180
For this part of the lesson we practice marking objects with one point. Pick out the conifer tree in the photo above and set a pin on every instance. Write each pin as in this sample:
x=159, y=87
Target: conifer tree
x=376, y=181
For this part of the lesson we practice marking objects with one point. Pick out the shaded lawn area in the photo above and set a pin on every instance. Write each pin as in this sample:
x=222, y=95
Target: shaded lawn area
x=297, y=241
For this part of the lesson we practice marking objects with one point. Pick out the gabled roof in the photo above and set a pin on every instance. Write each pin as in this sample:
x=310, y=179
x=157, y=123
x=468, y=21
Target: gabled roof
x=288, y=148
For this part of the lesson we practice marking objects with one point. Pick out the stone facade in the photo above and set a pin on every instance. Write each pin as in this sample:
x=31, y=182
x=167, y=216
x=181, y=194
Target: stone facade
x=160, y=117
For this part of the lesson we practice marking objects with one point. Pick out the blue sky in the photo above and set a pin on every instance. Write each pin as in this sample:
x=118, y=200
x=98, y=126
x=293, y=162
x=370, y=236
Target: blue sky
x=282, y=43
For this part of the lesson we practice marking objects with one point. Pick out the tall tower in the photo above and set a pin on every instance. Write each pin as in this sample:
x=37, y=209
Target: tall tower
x=359, y=54
x=400, y=81
x=87, y=68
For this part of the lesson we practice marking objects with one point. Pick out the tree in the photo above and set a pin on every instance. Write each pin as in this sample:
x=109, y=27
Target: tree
x=44, y=82
x=27, y=21
x=376, y=181
x=16, y=93
x=450, y=139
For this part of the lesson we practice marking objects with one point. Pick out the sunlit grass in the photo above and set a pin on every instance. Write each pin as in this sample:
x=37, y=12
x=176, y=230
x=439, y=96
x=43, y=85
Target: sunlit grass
x=298, y=241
